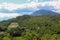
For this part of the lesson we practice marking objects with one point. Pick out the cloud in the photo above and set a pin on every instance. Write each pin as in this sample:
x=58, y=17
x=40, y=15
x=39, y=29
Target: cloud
x=33, y=5
x=30, y=6
x=12, y=6
x=6, y=16
x=9, y=15
x=33, y=0
x=11, y=10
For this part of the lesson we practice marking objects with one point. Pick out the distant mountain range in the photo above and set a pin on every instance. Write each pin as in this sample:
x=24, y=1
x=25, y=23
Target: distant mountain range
x=44, y=12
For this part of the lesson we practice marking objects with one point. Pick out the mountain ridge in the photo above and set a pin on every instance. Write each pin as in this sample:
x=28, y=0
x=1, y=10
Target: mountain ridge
x=44, y=12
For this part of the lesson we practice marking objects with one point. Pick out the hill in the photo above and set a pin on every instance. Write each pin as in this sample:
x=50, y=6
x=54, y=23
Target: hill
x=43, y=12
x=31, y=28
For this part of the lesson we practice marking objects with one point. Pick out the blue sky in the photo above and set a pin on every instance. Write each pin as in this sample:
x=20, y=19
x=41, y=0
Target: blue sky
x=13, y=1
x=20, y=1
x=14, y=8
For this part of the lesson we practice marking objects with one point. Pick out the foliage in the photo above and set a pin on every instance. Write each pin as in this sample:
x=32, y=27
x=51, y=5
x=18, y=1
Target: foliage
x=32, y=28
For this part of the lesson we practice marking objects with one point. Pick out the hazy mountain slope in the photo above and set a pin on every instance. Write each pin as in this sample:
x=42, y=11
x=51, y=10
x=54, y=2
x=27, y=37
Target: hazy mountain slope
x=44, y=12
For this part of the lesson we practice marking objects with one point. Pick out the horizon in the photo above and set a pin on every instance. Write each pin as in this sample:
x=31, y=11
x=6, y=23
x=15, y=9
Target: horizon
x=13, y=8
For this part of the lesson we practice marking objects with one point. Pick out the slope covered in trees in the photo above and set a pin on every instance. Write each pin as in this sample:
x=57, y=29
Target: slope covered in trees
x=31, y=28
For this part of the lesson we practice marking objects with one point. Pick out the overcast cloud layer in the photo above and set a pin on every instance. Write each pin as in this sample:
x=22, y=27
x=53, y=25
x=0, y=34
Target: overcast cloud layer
x=10, y=9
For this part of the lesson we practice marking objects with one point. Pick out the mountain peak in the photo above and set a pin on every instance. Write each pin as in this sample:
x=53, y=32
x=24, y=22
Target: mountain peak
x=43, y=12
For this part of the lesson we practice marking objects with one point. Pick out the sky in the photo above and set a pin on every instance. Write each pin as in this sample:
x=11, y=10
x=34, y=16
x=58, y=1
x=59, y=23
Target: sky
x=13, y=8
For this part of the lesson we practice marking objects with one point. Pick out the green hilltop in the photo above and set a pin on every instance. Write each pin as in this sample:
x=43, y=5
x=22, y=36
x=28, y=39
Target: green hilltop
x=31, y=28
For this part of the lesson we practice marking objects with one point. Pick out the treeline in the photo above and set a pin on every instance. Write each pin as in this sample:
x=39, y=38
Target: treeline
x=31, y=28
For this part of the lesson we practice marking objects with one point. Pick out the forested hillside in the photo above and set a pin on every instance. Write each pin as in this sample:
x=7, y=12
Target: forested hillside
x=31, y=28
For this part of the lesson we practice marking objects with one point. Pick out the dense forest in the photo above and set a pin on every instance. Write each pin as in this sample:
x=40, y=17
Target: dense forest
x=27, y=27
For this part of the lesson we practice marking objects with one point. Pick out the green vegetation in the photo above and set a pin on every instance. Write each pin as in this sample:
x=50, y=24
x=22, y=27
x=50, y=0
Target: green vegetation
x=31, y=28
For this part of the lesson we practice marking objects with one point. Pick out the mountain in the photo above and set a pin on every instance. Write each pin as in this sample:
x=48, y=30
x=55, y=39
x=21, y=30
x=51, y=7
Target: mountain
x=43, y=12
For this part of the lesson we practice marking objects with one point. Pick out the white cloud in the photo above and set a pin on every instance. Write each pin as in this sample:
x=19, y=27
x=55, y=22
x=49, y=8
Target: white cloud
x=9, y=15
x=33, y=0
x=12, y=6
x=32, y=5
